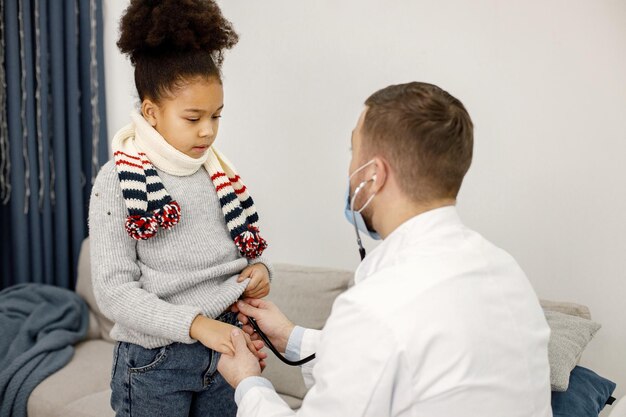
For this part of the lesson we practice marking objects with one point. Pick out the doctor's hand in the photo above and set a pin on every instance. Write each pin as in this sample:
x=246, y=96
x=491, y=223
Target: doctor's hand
x=216, y=335
x=259, y=285
x=270, y=319
x=242, y=364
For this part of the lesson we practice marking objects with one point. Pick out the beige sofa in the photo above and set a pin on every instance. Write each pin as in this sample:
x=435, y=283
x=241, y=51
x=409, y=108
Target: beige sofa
x=305, y=294
x=81, y=388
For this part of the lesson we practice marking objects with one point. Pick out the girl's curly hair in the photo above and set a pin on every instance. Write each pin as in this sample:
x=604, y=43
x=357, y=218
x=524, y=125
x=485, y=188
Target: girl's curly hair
x=170, y=41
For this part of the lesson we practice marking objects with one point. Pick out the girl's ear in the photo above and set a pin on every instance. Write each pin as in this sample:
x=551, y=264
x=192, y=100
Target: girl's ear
x=149, y=111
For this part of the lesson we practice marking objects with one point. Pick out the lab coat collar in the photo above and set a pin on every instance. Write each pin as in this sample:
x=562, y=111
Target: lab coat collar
x=409, y=234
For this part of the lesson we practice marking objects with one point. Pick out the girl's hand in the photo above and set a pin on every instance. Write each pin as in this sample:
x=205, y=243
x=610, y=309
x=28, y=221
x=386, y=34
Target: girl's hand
x=216, y=335
x=259, y=285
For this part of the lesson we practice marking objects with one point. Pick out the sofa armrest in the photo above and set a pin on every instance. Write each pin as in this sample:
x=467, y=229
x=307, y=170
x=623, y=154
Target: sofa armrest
x=99, y=326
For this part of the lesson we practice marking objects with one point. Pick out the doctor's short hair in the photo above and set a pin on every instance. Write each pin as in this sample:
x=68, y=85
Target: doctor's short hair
x=426, y=135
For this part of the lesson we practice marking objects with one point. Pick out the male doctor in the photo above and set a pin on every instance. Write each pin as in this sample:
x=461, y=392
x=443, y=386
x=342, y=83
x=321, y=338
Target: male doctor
x=440, y=323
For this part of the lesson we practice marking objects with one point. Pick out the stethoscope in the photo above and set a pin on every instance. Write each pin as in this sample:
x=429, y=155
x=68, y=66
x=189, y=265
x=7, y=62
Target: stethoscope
x=274, y=350
x=362, y=253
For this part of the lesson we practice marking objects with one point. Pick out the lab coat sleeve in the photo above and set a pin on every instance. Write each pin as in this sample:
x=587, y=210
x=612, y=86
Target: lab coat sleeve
x=294, y=344
x=353, y=375
x=309, y=345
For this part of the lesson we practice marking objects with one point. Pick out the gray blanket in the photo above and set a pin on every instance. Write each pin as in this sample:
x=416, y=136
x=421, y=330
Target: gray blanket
x=38, y=326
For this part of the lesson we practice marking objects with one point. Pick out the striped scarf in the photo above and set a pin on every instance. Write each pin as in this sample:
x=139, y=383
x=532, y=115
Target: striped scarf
x=138, y=146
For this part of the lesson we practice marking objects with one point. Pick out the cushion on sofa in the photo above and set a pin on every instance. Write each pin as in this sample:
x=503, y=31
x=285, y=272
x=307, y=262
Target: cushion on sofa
x=305, y=295
x=564, y=307
x=586, y=395
x=568, y=338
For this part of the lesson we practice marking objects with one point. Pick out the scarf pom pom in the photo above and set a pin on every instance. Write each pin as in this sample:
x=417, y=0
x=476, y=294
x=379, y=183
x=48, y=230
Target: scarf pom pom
x=250, y=243
x=169, y=215
x=141, y=227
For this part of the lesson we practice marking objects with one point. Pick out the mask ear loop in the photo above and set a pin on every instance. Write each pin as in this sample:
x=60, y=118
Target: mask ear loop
x=362, y=251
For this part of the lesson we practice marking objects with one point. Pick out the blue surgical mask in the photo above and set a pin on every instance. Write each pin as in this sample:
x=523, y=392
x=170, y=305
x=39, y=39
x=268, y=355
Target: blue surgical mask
x=354, y=216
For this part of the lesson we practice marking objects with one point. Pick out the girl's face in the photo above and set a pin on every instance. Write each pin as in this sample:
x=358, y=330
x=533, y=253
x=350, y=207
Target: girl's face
x=189, y=118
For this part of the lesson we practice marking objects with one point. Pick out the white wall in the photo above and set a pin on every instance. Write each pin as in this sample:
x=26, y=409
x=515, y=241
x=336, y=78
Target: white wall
x=118, y=73
x=543, y=80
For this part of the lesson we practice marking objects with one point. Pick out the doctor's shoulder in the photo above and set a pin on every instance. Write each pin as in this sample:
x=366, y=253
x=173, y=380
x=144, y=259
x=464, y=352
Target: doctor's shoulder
x=391, y=290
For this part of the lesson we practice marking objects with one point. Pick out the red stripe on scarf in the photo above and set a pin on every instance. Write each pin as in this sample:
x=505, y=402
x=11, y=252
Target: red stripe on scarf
x=126, y=155
x=122, y=162
x=219, y=187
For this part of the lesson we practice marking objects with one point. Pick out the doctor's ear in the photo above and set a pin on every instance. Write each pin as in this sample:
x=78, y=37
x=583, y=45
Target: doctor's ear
x=382, y=171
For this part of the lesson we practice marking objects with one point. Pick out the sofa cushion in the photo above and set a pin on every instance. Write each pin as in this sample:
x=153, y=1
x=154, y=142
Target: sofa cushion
x=305, y=295
x=102, y=326
x=568, y=338
x=571, y=309
x=586, y=395
x=89, y=371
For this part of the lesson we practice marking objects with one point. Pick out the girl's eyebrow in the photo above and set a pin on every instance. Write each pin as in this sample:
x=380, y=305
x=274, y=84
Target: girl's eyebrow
x=202, y=111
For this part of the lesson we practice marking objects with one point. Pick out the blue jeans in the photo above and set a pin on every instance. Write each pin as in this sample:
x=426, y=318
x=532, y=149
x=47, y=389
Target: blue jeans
x=170, y=381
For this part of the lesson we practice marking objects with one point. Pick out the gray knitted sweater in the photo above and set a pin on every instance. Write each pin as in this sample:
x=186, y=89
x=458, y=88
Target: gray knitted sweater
x=153, y=289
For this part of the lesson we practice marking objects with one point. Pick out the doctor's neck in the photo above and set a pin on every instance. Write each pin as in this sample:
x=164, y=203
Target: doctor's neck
x=391, y=211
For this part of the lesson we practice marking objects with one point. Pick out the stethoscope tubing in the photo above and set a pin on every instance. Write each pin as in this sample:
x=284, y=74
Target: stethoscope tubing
x=274, y=350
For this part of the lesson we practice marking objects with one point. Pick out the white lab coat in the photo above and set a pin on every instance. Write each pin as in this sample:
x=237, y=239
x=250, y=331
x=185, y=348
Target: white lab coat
x=440, y=323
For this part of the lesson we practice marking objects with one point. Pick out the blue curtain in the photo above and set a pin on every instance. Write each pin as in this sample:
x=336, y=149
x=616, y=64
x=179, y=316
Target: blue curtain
x=52, y=135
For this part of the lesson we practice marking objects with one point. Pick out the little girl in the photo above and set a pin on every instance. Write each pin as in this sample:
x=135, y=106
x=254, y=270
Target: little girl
x=174, y=233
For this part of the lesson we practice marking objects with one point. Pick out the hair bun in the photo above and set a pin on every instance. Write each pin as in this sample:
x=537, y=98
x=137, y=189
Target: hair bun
x=156, y=27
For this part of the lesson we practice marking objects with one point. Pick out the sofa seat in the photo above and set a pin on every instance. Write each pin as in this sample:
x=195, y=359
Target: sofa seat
x=76, y=388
